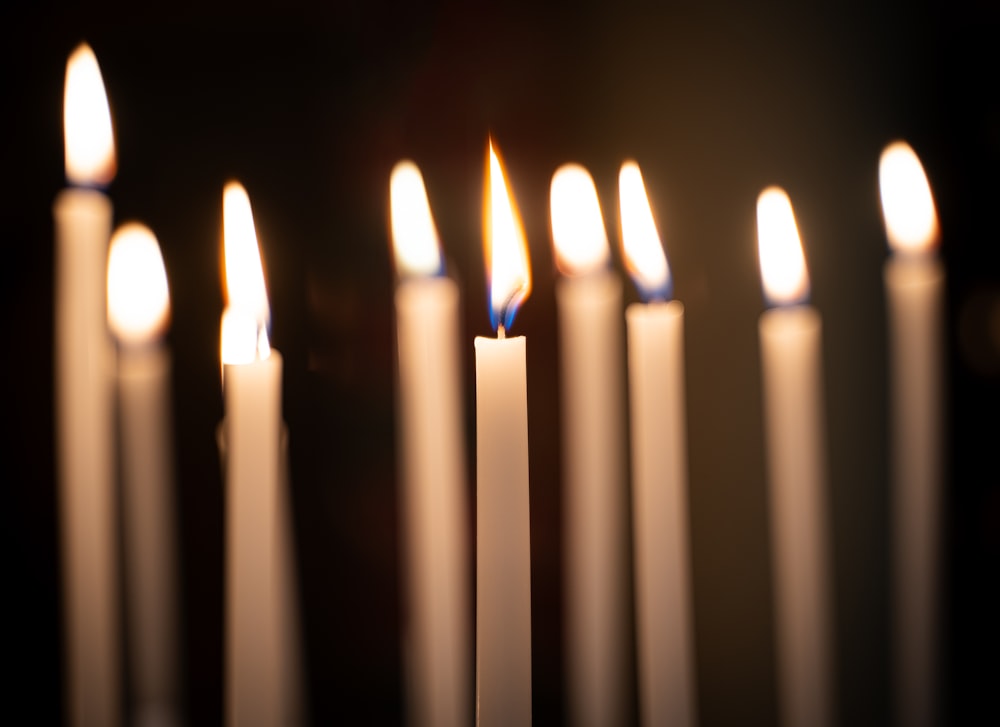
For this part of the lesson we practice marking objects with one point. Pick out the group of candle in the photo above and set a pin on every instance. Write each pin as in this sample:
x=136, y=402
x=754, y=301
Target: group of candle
x=259, y=631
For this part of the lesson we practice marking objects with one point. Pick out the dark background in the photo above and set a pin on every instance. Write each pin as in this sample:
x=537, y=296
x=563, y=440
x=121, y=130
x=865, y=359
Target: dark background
x=311, y=106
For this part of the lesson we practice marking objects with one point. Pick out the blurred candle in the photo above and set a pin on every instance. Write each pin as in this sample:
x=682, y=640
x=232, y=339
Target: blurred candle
x=84, y=409
x=138, y=311
x=503, y=553
x=914, y=285
x=432, y=464
x=659, y=469
x=790, y=334
x=589, y=302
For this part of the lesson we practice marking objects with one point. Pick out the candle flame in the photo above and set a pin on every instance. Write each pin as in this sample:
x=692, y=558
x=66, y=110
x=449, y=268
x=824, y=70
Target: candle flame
x=414, y=236
x=907, y=203
x=90, y=144
x=782, y=262
x=644, y=256
x=506, y=250
x=138, y=296
x=246, y=295
x=238, y=336
x=578, y=234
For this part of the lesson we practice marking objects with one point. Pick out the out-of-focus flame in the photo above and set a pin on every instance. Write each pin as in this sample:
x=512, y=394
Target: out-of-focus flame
x=90, y=143
x=414, y=235
x=644, y=256
x=505, y=248
x=782, y=263
x=138, y=297
x=581, y=242
x=907, y=203
x=238, y=337
x=246, y=295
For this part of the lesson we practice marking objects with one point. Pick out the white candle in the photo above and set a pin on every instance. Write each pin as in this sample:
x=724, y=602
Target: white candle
x=84, y=408
x=914, y=284
x=436, y=548
x=589, y=302
x=796, y=457
x=138, y=309
x=503, y=555
x=659, y=470
x=253, y=432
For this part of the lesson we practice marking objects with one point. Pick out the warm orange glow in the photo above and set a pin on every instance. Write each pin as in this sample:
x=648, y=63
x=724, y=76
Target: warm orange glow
x=907, y=203
x=506, y=250
x=414, y=236
x=644, y=255
x=578, y=234
x=245, y=291
x=138, y=298
x=782, y=263
x=90, y=144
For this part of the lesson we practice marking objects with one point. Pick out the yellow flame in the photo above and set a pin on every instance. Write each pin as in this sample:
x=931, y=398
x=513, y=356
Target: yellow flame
x=506, y=250
x=782, y=263
x=138, y=297
x=414, y=236
x=90, y=144
x=907, y=203
x=238, y=337
x=578, y=234
x=644, y=255
x=245, y=289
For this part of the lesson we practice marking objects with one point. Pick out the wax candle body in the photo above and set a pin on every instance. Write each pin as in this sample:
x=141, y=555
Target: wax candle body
x=793, y=409
x=595, y=496
x=914, y=289
x=660, y=514
x=435, y=504
x=85, y=460
x=503, y=555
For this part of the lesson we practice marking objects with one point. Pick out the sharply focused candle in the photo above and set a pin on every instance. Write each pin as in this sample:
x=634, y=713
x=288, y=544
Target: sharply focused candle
x=589, y=301
x=433, y=464
x=790, y=348
x=659, y=469
x=84, y=411
x=503, y=553
x=914, y=284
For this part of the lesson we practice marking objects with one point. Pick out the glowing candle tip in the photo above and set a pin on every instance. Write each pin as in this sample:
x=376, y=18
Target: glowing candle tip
x=414, y=236
x=782, y=262
x=138, y=296
x=644, y=255
x=907, y=203
x=89, y=139
x=578, y=234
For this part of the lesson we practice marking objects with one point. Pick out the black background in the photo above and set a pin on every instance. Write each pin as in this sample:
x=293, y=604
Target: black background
x=311, y=105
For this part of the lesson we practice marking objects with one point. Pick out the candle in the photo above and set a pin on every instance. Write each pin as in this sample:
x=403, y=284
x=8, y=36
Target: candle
x=659, y=469
x=796, y=458
x=138, y=310
x=253, y=431
x=503, y=553
x=436, y=548
x=589, y=302
x=84, y=402
x=914, y=284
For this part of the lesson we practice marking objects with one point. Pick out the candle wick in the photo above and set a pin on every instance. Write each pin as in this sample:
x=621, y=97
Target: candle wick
x=501, y=332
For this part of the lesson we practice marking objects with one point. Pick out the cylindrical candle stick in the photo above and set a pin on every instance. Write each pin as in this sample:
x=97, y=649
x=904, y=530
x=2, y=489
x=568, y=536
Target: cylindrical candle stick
x=84, y=410
x=796, y=458
x=914, y=285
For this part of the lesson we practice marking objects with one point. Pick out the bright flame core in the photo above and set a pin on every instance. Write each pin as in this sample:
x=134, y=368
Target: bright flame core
x=414, y=236
x=245, y=291
x=782, y=263
x=138, y=297
x=578, y=233
x=506, y=250
x=644, y=256
x=90, y=144
x=907, y=203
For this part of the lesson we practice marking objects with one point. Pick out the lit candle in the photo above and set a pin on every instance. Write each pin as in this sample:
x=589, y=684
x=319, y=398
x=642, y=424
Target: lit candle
x=84, y=410
x=503, y=553
x=790, y=334
x=659, y=469
x=138, y=311
x=589, y=302
x=436, y=548
x=253, y=462
x=914, y=284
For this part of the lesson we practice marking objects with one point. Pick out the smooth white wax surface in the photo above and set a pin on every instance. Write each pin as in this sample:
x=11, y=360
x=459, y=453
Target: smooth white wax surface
x=84, y=425
x=503, y=553
x=790, y=345
x=660, y=514
x=437, y=552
